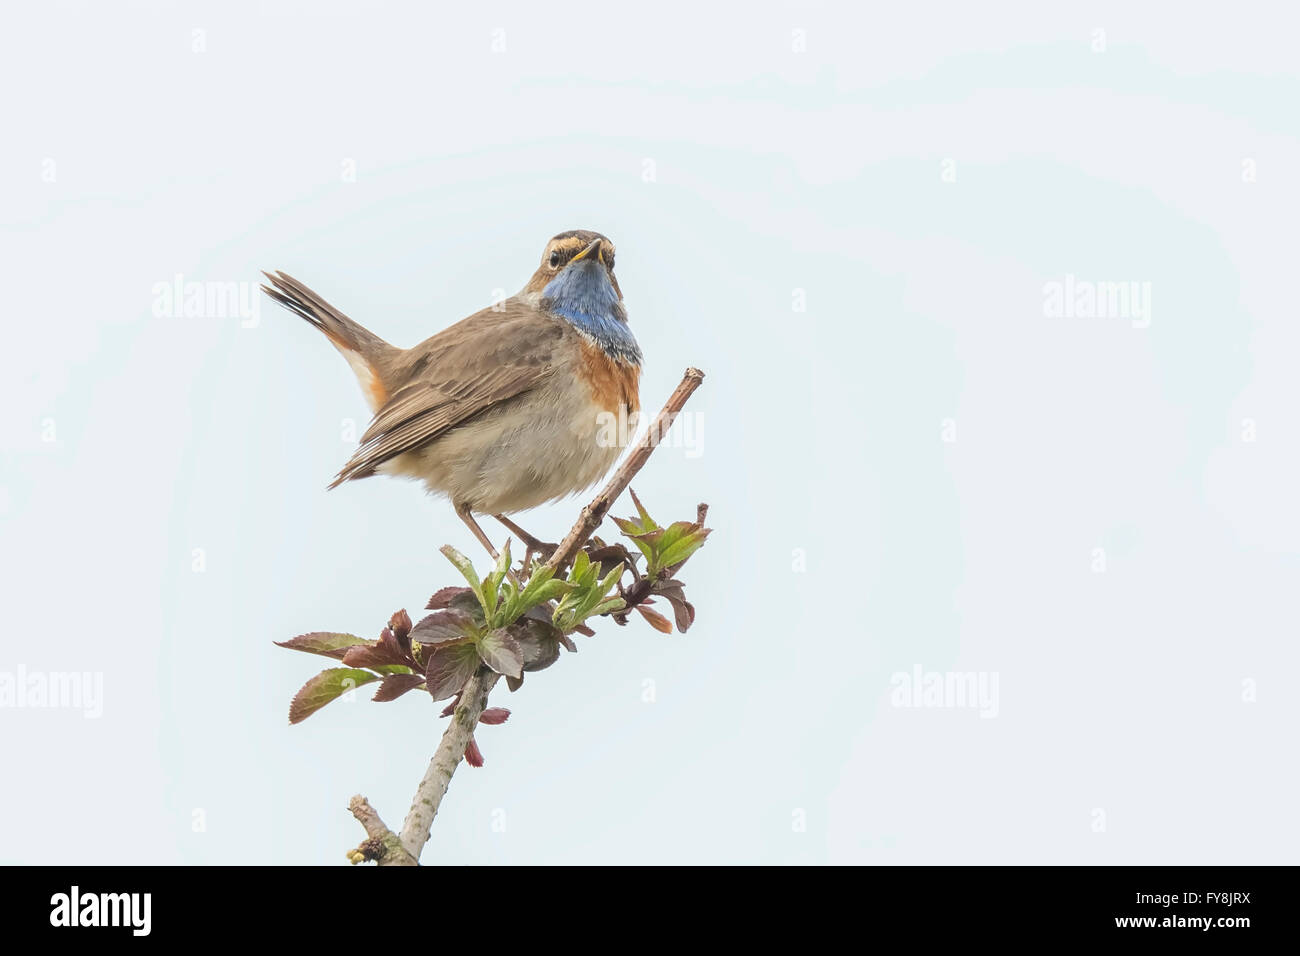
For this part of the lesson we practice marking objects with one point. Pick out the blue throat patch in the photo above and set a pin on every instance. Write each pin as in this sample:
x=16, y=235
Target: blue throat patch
x=584, y=297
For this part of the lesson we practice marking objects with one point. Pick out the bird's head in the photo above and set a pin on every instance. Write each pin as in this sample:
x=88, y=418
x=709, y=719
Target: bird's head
x=576, y=277
x=576, y=283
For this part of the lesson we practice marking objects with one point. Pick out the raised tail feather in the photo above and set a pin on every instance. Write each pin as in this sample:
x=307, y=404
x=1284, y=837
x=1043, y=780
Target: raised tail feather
x=366, y=352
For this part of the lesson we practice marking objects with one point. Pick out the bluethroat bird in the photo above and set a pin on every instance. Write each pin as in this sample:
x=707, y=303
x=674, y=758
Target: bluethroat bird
x=502, y=411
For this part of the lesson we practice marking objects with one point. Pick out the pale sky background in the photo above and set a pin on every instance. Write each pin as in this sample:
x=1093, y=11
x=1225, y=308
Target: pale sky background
x=919, y=469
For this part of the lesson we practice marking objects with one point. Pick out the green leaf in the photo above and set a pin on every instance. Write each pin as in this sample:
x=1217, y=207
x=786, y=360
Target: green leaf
x=682, y=548
x=325, y=643
x=323, y=688
x=630, y=526
x=645, y=543
x=450, y=666
x=502, y=653
x=519, y=600
x=647, y=522
x=509, y=596
x=503, y=561
x=607, y=583
x=607, y=606
x=647, y=548
x=585, y=595
x=492, y=584
x=548, y=591
x=673, y=534
x=539, y=584
x=598, y=590
x=466, y=568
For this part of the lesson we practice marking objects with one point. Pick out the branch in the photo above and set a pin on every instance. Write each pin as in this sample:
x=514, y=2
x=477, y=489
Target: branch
x=428, y=797
x=383, y=845
x=473, y=698
x=593, y=514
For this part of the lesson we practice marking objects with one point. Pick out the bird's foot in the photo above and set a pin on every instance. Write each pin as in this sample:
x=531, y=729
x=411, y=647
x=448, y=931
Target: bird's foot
x=534, y=547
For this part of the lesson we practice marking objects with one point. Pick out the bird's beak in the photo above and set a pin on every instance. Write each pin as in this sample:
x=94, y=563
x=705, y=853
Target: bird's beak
x=594, y=247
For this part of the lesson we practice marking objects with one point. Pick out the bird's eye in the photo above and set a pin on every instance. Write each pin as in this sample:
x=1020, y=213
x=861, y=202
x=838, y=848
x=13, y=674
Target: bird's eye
x=555, y=259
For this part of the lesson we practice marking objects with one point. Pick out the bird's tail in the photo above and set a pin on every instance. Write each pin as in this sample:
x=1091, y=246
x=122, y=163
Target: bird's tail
x=367, y=353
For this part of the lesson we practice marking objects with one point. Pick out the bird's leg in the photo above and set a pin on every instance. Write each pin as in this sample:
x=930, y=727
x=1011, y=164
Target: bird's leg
x=542, y=549
x=467, y=517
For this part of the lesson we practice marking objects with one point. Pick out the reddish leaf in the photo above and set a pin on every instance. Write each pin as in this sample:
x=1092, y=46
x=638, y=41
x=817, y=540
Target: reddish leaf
x=400, y=625
x=538, y=642
x=442, y=627
x=656, y=620
x=468, y=605
x=386, y=651
x=450, y=708
x=609, y=556
x=473, y=756
x=325, y=643
x=502, y=653
x=494, y=715
x=450, y=665
x=683, y=610
x=395, y=685
x=399, y=646
x=442, y=598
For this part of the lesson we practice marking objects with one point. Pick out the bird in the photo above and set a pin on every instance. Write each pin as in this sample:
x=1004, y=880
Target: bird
x=504, y=410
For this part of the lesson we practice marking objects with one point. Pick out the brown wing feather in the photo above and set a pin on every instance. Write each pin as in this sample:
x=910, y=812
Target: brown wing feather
x=462, y=371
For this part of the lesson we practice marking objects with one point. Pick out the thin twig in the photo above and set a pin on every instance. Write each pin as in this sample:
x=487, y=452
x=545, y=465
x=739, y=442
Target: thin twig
x=473, y=698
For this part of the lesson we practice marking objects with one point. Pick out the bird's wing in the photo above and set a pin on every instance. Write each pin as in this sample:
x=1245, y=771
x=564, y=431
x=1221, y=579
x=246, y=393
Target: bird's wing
x=485, y=359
